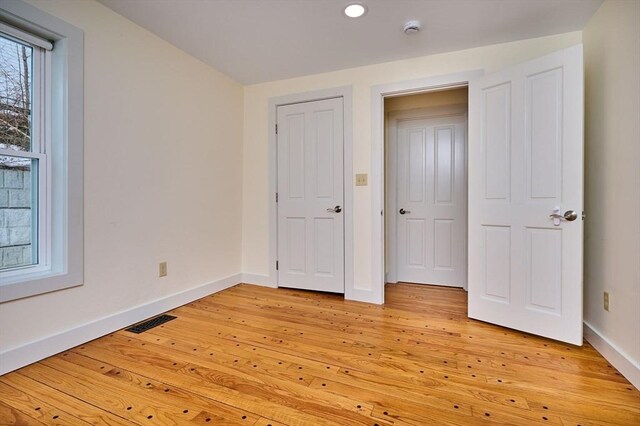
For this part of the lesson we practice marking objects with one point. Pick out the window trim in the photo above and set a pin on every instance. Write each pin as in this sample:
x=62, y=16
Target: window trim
x=64, y=176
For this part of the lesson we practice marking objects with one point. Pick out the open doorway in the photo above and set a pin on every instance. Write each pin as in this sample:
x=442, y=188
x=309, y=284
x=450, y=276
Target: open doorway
x=426, y=187
x=525, y=185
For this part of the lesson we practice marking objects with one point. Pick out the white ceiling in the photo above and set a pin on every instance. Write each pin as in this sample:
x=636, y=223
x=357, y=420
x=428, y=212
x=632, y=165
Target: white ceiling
x=254, y=41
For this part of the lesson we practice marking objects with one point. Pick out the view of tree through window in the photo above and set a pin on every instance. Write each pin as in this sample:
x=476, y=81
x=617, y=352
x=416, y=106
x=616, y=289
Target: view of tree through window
x=15, y=95
x=17, y=227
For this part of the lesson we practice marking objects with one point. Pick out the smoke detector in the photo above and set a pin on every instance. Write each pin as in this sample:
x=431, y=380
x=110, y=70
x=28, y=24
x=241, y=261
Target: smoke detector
x=412, y=27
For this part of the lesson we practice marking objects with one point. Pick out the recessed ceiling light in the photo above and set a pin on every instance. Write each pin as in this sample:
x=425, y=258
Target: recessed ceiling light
x=355, y=10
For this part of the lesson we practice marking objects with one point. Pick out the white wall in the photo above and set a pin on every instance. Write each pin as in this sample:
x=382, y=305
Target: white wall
x=255, y=244
x=612, y=124
x=163, y=181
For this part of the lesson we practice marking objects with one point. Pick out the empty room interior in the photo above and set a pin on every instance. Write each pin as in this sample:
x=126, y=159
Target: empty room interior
x=319, y=212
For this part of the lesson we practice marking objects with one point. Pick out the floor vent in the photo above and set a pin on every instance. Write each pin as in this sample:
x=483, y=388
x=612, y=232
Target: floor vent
x=150, y=323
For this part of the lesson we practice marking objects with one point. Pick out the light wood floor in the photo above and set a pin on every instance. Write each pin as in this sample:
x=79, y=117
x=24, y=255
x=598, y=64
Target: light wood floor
x=256, y=356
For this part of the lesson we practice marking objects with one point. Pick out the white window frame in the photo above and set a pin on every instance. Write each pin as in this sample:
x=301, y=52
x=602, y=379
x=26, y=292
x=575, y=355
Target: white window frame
x=60, y=218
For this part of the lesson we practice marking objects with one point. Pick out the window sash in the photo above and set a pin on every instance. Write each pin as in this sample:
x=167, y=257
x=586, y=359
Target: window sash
x=40, y=147
x=23, y=36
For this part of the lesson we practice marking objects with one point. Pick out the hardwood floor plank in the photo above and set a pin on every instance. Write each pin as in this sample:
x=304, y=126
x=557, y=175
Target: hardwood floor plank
x=263, y=421
x=183, y=400
x=12, y=416
x=109, y=397
x=253, y=355
x=71, y=405
x=228, y=389
x=38, y=409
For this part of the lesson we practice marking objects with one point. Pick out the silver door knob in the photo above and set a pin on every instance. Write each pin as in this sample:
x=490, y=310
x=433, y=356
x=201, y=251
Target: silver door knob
x=403, y=211
x=569, y=215
x=336, y=209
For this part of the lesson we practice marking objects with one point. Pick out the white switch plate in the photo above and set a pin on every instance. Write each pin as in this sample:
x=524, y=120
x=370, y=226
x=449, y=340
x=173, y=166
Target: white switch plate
x=162, y=269
x=361, y=179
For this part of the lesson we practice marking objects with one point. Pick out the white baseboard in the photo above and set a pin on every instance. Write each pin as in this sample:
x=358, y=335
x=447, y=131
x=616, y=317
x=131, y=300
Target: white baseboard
x=15, y=358
x=359, y=295
x=257, y=279
x=366, y=296
x=629, y=368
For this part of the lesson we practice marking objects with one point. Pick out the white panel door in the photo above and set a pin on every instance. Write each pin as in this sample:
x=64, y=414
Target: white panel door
x=526, y=196
x=431, y=201
x=310, y=196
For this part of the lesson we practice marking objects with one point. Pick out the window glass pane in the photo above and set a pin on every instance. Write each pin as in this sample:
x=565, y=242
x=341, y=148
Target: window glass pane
x=16, y=92
x=18, y=217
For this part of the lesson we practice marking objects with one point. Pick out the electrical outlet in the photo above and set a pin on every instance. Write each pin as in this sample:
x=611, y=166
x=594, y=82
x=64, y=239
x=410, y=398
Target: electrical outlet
x=361, y=179
x=606, y=301
x=162, y=269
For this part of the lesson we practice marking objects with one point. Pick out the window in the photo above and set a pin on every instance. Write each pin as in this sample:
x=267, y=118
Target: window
x=41, y=135
x=24, y=189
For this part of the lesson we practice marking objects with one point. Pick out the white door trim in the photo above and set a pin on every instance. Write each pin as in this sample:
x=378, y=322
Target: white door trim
x=378, y=93
x=345, y=93
x=392, y=172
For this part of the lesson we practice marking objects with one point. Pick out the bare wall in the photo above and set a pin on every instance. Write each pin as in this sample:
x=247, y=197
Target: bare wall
x=612, y=181
x=163, y=180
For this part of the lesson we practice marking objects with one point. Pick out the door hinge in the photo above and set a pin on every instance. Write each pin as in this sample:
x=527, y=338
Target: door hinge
x=276, y=197
x=276, y=129
x=277, y=265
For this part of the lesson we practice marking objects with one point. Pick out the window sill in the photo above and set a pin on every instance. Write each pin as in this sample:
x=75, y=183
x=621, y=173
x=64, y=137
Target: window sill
x=35, y=282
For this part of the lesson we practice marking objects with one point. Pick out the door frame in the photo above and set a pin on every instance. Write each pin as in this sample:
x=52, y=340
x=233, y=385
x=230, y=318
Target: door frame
x=344, y=92
x=391, y=158
x=378, y=93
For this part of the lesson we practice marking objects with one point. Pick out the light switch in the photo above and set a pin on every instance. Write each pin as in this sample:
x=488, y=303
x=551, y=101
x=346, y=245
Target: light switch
x=162, y=269
x=361, y=179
